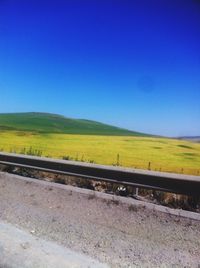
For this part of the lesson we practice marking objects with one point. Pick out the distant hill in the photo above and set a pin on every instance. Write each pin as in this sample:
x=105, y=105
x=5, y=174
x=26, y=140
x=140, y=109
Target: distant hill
x=190, y=138
x=53, y=123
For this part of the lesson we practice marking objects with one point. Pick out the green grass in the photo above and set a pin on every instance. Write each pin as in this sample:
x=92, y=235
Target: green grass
x=52, y=123
x=56, y=136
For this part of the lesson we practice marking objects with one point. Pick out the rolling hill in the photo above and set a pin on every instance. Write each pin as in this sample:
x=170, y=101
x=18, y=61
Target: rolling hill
x=190, y=138
x=53, y=123
x=56, y=136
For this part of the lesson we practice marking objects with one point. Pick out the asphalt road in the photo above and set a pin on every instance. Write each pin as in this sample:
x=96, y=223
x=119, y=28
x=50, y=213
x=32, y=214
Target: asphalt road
x=117, y=234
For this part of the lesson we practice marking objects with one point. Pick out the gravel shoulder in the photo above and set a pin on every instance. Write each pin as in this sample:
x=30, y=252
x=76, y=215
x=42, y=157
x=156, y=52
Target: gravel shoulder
x=111, y=232
x=21, y=249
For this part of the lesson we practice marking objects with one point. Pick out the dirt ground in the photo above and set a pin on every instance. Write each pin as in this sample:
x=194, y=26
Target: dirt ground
x=111, y=232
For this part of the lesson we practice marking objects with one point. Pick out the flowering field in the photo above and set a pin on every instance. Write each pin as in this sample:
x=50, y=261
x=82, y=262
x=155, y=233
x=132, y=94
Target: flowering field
x=153, y=153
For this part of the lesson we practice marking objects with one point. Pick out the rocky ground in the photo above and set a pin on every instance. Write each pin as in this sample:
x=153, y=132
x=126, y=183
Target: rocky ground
x=109, y=231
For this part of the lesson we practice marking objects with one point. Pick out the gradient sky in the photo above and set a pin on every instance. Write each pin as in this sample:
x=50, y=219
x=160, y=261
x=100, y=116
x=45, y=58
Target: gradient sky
x=134, y=64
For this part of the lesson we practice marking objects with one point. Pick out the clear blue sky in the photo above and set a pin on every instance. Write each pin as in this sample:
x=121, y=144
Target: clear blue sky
x=131, y=63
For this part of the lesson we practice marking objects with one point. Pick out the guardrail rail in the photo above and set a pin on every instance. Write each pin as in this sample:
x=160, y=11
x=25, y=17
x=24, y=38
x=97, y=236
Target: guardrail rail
x=168, y=182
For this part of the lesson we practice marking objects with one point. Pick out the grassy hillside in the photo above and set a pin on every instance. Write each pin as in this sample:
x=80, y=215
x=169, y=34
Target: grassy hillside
x=59, y=137
x=51, y=123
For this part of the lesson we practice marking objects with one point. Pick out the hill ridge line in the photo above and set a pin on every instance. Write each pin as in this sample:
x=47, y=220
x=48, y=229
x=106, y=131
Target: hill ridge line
x=55, y=123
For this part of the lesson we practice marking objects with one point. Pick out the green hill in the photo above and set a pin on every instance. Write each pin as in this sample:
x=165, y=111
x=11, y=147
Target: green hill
x=52, y=123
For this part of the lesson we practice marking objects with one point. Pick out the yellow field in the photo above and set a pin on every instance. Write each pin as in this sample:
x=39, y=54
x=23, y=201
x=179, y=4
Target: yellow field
x=163, y=154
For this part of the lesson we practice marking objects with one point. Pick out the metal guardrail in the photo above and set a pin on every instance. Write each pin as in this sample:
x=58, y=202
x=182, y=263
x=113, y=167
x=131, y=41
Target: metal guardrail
x=168, y=182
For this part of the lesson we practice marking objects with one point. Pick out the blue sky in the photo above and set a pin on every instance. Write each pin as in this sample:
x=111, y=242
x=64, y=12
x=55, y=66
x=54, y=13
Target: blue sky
x=131, y=63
